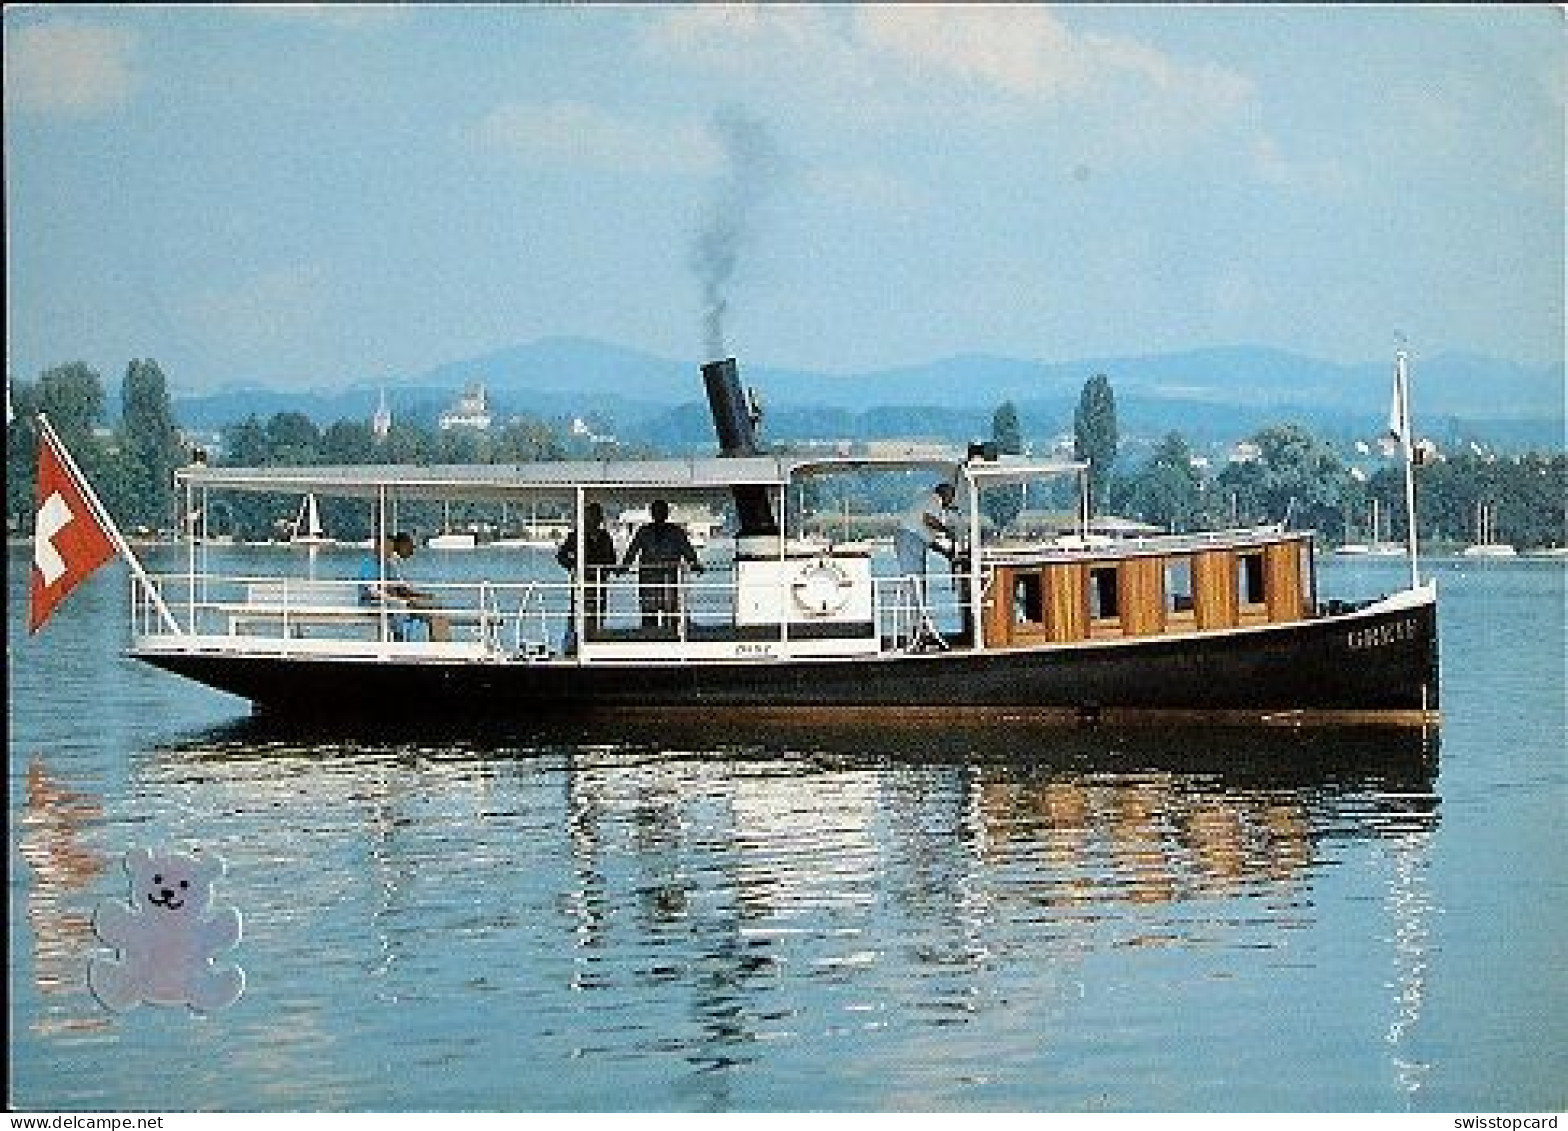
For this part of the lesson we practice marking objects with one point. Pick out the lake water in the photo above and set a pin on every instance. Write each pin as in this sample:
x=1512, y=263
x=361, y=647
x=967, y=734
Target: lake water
x=882, y=919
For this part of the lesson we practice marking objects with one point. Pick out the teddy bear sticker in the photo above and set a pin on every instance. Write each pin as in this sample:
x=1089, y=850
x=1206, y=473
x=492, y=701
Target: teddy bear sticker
x=167, y=936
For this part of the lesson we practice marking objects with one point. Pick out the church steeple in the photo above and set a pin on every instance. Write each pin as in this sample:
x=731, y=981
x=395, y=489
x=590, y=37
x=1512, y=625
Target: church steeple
x=381, y=422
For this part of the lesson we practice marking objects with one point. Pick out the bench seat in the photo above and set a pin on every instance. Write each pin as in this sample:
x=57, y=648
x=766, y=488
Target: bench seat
x=291, y=602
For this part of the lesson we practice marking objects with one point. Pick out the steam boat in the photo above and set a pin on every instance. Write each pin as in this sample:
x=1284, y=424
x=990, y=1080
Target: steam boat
x=1224, y=626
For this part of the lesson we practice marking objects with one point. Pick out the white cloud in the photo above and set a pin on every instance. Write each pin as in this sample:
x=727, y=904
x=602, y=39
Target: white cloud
x=1020, y=51
x=579, y=135
x=69, y=68
x=741, y=36
x=920, y=55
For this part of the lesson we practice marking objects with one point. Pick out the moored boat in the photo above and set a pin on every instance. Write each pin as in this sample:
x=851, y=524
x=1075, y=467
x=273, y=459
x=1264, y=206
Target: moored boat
x=1486, y=544
x=453, y=540
x=1379, y=547
x=1224, y=625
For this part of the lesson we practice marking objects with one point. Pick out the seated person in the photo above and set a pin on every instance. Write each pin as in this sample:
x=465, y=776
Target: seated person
x=382, y=583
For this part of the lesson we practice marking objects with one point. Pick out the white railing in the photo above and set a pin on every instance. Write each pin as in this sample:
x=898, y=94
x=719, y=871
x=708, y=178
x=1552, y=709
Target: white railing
x=296, y=607
x=527, y=619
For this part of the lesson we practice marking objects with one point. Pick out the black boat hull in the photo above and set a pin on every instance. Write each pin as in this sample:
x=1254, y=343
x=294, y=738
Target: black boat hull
x=1377, y=664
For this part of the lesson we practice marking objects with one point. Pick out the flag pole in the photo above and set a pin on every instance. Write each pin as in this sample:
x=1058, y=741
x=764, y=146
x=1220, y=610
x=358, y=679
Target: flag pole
x=1406, y=443
x=106, y=521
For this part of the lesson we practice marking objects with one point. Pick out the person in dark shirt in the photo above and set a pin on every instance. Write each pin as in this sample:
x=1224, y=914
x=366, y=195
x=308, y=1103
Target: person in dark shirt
x=599, y=549
x=659, y=548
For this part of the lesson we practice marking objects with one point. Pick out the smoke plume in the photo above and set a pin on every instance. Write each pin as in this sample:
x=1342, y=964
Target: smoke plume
x=752, y=166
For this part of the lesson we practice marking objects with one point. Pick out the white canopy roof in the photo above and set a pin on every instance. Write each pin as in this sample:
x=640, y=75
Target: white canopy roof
x=562, y=478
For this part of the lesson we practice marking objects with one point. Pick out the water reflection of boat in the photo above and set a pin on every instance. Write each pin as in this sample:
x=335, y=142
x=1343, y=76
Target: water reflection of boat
x=1109, y=817
x=1138, y=815
x=1399, y=758
x=935, y=869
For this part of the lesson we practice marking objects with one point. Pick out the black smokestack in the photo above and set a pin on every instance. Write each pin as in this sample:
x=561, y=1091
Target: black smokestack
x=732, y=418
x=737, y=433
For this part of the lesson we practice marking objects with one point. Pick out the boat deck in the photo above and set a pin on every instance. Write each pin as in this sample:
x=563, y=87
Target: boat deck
x=535, y=621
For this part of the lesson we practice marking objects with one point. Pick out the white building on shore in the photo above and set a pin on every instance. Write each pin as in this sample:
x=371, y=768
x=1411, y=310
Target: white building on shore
x=470, y=411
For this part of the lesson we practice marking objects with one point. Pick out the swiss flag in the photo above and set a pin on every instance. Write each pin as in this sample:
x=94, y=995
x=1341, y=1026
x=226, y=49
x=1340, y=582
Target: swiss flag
x=69, y=542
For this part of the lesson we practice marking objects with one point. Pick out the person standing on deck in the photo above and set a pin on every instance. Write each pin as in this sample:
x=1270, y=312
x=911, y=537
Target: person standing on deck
x=921, y=530
x=659, y=547
x=599, y=549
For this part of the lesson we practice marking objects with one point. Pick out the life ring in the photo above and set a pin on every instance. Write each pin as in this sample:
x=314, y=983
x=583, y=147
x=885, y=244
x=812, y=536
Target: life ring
x=822, y=588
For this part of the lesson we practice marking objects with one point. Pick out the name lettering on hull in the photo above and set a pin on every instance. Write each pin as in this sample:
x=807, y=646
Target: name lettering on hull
x=1382, y=635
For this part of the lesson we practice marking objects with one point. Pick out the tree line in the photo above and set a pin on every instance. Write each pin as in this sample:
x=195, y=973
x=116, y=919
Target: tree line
x=131, y=464
x=1288, y=473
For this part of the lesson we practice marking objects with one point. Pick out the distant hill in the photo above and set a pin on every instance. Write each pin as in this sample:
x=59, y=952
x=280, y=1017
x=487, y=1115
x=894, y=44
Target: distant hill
x=1224, y=391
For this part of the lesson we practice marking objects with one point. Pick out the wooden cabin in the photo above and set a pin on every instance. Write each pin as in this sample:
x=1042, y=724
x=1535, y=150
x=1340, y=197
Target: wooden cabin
x=1165, y=586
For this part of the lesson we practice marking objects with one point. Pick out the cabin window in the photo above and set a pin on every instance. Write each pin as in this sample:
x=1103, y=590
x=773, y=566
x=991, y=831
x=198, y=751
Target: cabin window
x=1103, y=597
x=1029, y=599
x=1249, y=578
x=1178, y=585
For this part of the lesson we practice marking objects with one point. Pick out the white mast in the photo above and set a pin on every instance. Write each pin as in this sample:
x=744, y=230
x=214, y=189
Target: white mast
x=1399, y=423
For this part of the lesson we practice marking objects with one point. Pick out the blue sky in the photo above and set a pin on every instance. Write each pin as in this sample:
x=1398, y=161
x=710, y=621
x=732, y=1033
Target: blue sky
x=313, y=196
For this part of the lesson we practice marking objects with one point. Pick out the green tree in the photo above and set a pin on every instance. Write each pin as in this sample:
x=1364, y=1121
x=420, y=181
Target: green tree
x=528, y=441
x=1527, y=496
x=407, y=443
x=149, y=448
x=350, y=442
x=1294, y=474
x=1237, y=495
x=292, y=439
x=1168, y=491
x=1095, y=437
x=21, y=456
x=461, y=445
x=72, y=397
x=245, y=443
x=1002, y=504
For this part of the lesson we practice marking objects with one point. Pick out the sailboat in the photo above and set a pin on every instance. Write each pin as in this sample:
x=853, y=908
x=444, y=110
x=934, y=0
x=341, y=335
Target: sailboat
x=1382, y=547
x=1486, y=544
x=307, y=525
x=1379, y=547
